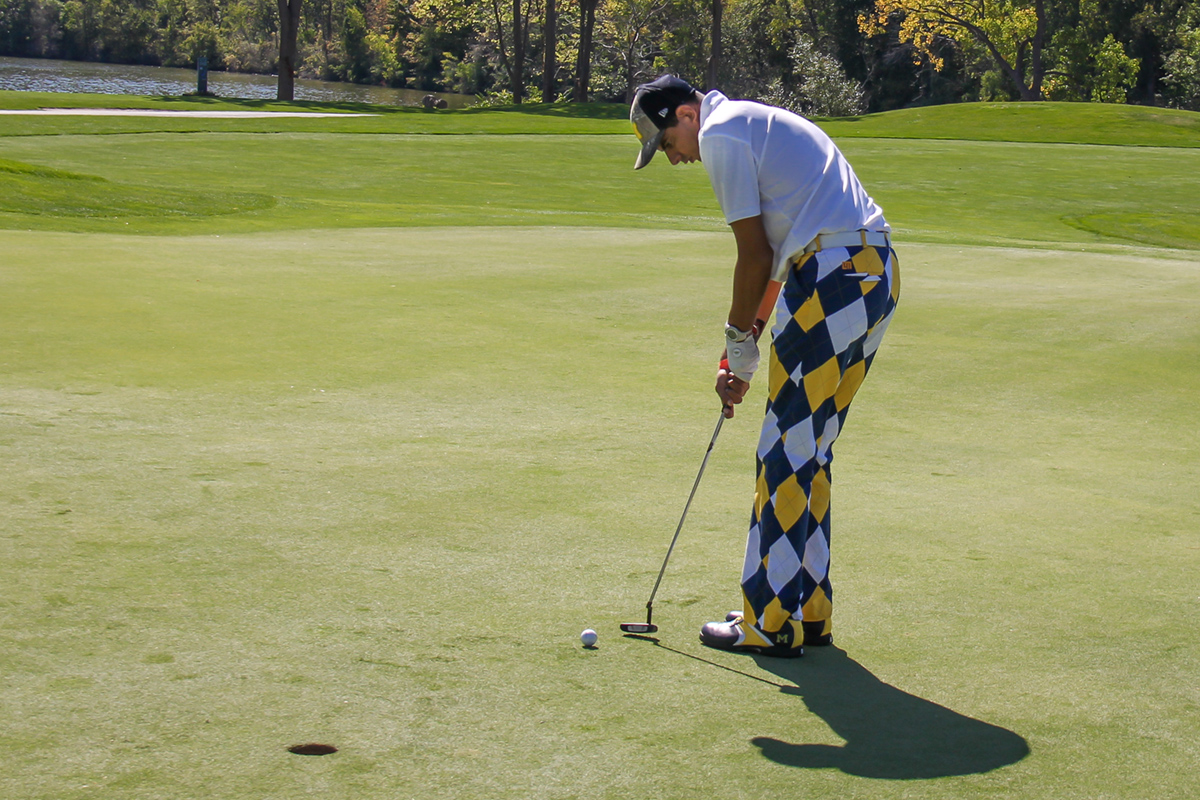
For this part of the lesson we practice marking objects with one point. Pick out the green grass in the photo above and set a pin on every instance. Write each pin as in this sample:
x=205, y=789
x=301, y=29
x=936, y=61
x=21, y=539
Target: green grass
x=357, y=467
x=559, y=118
x=546, y=166
x=1059, y=123
x=59, y=195
x=934, y=191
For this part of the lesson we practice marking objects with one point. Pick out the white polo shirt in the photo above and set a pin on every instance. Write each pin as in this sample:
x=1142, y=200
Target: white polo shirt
x=766, y=160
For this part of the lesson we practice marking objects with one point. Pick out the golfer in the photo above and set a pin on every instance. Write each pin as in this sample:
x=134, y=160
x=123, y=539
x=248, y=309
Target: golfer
x=812, y=244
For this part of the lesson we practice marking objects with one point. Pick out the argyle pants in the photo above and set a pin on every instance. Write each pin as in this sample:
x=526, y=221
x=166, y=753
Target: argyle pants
x=830, y=317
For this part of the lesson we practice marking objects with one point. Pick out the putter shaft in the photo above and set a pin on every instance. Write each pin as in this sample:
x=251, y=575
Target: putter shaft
x=679, y=527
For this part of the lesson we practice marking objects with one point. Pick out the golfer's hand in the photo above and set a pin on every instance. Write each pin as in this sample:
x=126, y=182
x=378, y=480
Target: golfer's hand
x=731, y=389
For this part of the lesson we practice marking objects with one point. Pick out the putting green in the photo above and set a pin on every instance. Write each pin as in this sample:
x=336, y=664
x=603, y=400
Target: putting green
x=356, y=461
x=366, y=487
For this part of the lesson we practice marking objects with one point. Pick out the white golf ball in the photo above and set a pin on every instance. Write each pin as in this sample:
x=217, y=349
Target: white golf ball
x=588, y=638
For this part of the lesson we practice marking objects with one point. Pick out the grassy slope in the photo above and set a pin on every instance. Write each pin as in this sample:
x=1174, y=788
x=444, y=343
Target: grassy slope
x=921, y=164
x=208, y=183
x=366, y=486
x=1062, y=123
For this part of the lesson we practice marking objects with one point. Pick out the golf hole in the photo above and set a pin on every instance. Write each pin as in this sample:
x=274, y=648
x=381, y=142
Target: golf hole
x=312, y=749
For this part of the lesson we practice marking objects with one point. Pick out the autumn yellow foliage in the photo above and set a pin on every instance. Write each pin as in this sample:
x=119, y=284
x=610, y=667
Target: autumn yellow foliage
x=1003, y=27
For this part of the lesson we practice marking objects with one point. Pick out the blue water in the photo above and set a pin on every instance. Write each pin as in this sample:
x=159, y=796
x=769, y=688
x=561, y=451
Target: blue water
x=47, y=75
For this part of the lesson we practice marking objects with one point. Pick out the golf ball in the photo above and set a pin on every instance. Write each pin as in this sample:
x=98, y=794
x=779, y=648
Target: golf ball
x=588, y=638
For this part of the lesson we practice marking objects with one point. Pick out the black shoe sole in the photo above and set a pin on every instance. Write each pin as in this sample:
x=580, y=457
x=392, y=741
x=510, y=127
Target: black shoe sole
x=813, y=636
x=812, y=633
x=759, y=650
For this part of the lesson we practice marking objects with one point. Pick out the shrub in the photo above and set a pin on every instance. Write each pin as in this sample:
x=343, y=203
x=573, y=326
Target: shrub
x=1115, y=73
x=817, y=85
x=1183, y=71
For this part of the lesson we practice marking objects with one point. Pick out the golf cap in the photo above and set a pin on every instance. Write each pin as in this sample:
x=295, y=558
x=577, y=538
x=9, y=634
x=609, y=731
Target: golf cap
x=653, y=108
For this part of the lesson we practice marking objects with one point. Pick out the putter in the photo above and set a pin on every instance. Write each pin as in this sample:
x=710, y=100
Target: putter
x=648, y=626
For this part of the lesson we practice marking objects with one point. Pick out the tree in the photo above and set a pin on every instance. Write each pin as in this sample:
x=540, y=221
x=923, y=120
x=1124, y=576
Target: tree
x=446, y=44
x=583, y=63
x=15, y=25
x=517, y=74
x=80, y=27
x=515, y=66
x=1183, y=66
x=289, y=29
x=1013, y=32
x=1150, y=34
x=923, y=51
x=739, y=49
x=1115, y=72
x=629, y=34
x=713, y=74
x=817, y=85
x=550, y=54
x=1089, y=62
x=752, y=41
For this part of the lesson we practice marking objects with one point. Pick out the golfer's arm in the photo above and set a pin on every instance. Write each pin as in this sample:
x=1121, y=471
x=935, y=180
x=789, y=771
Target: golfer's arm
x=752, y=272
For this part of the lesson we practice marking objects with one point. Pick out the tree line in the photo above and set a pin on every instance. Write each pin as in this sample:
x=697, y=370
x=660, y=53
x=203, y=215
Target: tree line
x=824, y=57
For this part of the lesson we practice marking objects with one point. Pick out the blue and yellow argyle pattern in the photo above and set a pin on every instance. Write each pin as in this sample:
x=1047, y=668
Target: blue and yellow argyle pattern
x=829, y=320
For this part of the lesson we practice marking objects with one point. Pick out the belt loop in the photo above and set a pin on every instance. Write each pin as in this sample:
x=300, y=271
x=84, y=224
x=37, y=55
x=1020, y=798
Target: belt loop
x=863, y=232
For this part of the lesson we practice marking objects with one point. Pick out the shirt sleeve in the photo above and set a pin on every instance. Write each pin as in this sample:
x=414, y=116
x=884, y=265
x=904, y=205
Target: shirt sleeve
x=733, y=174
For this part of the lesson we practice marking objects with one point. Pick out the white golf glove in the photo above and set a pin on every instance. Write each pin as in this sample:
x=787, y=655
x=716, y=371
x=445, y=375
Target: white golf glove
x=742, y=357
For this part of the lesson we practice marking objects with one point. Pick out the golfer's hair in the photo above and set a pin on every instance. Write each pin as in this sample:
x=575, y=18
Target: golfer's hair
x=694, y=100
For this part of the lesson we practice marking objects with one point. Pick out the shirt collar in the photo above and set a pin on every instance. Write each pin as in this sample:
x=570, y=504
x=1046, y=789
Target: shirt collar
x=711, y=101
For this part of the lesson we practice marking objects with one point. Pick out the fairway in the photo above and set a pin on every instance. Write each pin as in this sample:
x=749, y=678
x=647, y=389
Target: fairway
x=309, y=436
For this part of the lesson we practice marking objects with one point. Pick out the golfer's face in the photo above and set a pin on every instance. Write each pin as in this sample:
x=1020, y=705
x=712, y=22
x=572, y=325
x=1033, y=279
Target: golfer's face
x=681, y=142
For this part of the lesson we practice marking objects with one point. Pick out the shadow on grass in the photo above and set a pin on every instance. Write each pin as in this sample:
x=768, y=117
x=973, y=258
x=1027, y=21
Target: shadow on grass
x=706, y=661
x=566, y=110
x=889, y=733
x=260, y=103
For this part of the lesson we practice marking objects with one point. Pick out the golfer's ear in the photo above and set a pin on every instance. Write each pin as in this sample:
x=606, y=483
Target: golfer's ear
x=688, y=111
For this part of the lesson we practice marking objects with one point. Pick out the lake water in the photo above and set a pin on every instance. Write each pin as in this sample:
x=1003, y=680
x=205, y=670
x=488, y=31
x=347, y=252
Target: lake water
x=47, y=75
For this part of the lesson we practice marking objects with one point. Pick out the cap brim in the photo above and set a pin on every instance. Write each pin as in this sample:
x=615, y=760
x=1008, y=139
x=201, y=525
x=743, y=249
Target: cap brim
x=649, y=148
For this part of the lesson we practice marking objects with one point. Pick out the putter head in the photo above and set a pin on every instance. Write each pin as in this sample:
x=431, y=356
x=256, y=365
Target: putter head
x=638, y=627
